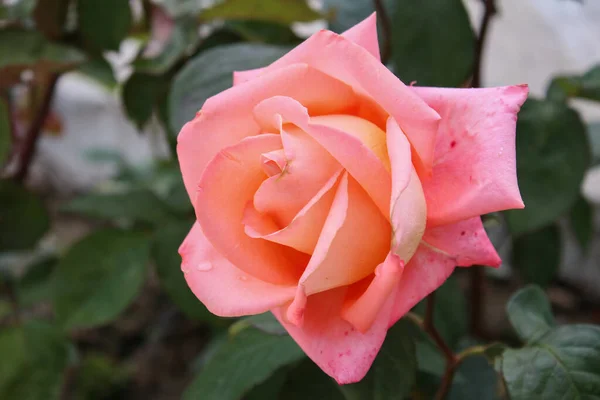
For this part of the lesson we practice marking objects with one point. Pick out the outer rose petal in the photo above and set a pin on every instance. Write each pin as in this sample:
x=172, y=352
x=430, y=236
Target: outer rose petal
x=227, y=117
x=466, y=241
x=227, y=185
x=363, y=34
x=350, y=63
x=475, y=167
x=221, y=287
x=333, y=343
x=425, y=272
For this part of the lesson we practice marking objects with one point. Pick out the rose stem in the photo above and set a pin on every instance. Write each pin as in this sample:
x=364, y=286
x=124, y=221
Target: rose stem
x=386, y=29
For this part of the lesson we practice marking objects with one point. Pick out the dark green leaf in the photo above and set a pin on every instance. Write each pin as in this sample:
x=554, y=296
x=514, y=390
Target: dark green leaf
x=529, y=313
x=270, y=388
x=211, y=72
x=134, y=205
x=36, y=284
x=264, y=32
x=183, y=39
x=593, y=131
x=586, y=86
x=5, y=133
x=21, y=50
x=280, y=11
x=307, y=381
x=552, y=157
x=104, y=23
x=246, y=360
x=393, y=373
x=99, y=70
x=140, y=96
x=564, y=364
x=582, y=222
x=432, y=42
x=99, y=277
x=33, y=361
x=450, y=313
x=265, y=322
x=345, y=14
x=23, y=217
x=479, y=381
x=537, y=255
x=168, y=267
x=100, y=378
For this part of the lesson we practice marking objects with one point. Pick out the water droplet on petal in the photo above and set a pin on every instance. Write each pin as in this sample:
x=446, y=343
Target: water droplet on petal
x=204, y=266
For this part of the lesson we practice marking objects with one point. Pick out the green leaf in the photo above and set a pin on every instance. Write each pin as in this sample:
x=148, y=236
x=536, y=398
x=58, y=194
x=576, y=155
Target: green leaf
x=582, y=222
x=393, y=373
x=552, y=157
x=104, y=23
x=432, y=42
x=307, y=381
x=36, y=284
x=246, y=360
x=345, y=14
x=264, y=32
x=593, y=131
x=537, y=255
x=140, y=96
x=586, y=86
x=280, y=11
x=5, y=133
x=99, y=277
x=23, y=217
x=21, y=50
x=168, y=267
x=139, y=205
x=479, y=381
x=265, y=322
x=450, y=312
x=100, y=378
x=210, y=73
x=564, y=364
x=529, y=313
x=269, y=389
x=183, y=39
x=100, y=71
x=34, y=358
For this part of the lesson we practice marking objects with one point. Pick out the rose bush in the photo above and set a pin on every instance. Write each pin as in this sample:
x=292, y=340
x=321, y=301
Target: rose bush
x=335, y=196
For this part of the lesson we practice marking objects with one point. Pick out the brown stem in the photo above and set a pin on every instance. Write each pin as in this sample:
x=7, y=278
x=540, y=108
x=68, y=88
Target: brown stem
x=33, y=133
x=386, y=28
x=490, y=11
x=451, y=360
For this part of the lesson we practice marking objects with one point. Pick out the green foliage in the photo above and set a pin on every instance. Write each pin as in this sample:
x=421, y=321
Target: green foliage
x=100, y=71
x=34, y=358
x=5, y=132
x=307, y=381
x=582, y=222
x=36, y=284
x=210, y=73
x=552, y=158
x=245, y=360
x=24, y=213
x=264, y=322
x=280, y=11
x=586, y=86
x=94, y=18
x=529, y=313
x=140, y=94
x=109, y=267
x=537, y=255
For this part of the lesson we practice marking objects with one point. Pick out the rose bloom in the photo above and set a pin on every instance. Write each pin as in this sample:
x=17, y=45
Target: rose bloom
x=335, y=196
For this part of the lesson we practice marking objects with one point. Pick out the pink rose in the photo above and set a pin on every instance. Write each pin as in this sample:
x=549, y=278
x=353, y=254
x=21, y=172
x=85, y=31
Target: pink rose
x=333, y=195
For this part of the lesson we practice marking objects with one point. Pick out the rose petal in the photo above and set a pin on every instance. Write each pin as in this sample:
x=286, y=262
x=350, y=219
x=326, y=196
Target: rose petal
x=356, y=157
x=466, y=241
x=475, y=166
x=343, y=59
x=227, y=117
x=224, y=289
x=362, y=310
x=332, y=343
x=304, y=230
x=408, y=209
x=354, y=240
x=426, y=271
x=227, y=185
x=363, y=34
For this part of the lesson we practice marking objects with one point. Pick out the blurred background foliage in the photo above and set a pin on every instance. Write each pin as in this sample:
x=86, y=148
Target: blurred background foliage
x=109, y=315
